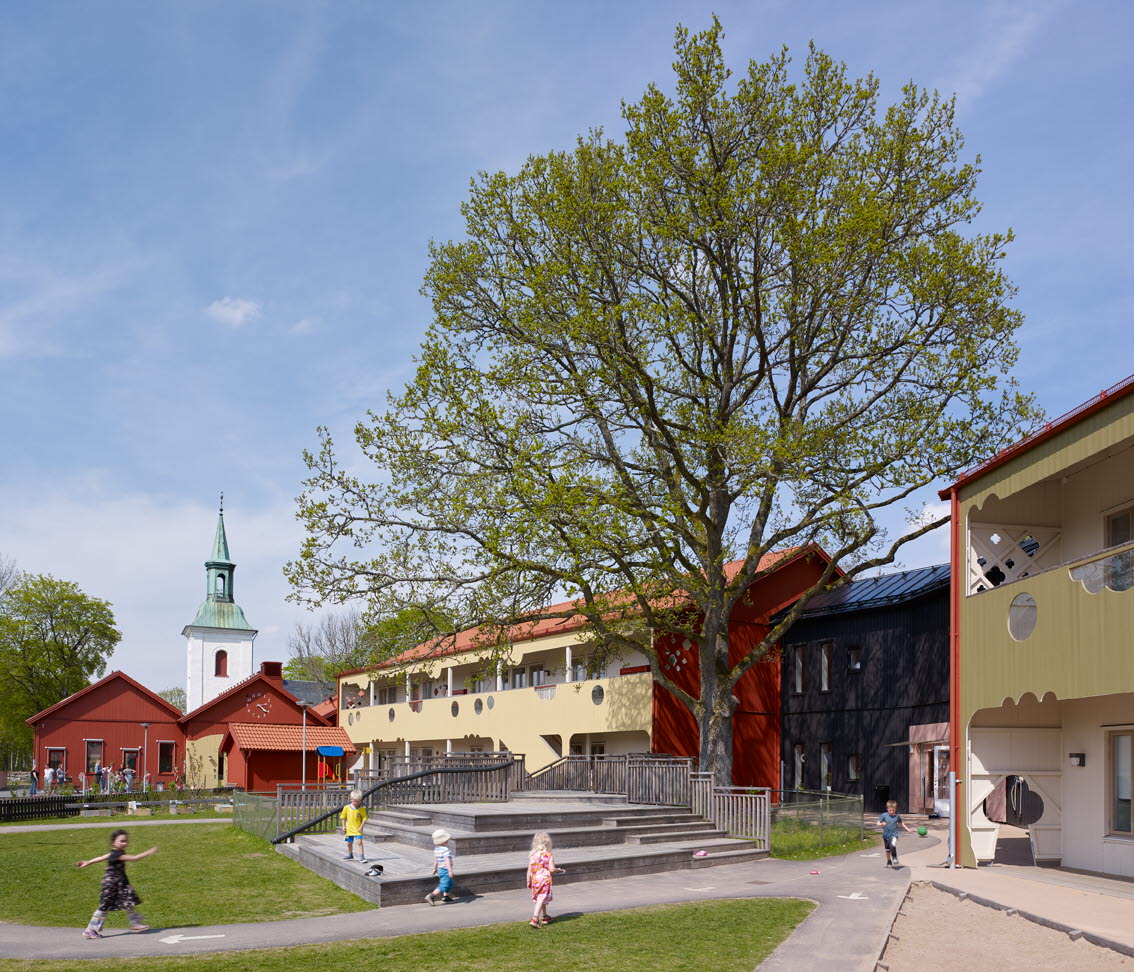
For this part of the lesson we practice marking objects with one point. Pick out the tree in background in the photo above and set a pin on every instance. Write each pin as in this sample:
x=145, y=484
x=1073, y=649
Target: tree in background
x=347, y=640
x=759, y=321
x=53, y=640
x=174, y=696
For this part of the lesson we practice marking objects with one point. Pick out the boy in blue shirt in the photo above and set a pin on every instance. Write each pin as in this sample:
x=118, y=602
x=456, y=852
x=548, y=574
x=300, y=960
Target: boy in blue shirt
x=890, y=821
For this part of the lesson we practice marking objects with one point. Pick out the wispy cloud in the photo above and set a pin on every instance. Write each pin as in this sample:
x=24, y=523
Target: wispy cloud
x=1007, y=29
x=234, y=311
x=303, y=326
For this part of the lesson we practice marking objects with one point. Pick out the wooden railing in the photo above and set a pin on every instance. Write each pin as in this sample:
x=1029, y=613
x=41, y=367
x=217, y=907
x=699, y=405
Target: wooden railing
x=441, y=784
x=643, y=777
x=739, y=811
x=394, y=766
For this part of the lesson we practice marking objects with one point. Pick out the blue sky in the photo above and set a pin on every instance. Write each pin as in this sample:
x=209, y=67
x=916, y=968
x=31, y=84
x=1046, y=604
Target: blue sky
x=215, y=219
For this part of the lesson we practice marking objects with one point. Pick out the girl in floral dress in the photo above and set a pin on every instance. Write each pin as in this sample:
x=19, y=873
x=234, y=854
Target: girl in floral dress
x=116, y=893
x=541, y=866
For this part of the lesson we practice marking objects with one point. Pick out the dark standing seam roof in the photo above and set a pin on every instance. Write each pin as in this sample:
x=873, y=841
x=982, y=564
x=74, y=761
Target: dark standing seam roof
x=312, y=692
x=874, y=591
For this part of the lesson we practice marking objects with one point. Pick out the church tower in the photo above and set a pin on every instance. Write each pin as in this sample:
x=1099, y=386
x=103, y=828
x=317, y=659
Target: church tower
x=219, y=641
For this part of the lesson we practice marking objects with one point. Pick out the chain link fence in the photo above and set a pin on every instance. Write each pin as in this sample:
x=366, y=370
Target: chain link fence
x=256, y=813
x=804, y=820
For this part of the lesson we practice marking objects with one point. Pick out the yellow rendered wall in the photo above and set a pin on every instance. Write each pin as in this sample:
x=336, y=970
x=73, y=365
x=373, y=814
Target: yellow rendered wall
x=201, y=761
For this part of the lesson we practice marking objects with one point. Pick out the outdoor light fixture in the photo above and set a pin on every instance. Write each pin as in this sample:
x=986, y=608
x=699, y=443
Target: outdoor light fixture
x=303, y=706
x=145, y=746
x=1077, y=759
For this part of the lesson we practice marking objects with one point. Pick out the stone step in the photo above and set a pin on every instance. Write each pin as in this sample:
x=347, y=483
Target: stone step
x=681, y=835
x=407, y=877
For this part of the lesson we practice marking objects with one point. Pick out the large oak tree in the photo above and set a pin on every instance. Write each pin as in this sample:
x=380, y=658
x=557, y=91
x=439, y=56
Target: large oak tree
x=761, y=319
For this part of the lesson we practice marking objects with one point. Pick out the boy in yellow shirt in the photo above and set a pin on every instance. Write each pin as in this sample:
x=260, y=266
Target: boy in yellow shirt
x=353, y=820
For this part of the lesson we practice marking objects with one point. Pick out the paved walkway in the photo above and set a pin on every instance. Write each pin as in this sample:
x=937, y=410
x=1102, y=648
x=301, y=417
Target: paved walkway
x=1099, y=906
x=857, y=896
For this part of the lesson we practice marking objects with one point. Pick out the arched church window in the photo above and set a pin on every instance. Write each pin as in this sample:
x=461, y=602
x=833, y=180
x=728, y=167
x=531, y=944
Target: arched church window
x=220, y=667
x=220, y=584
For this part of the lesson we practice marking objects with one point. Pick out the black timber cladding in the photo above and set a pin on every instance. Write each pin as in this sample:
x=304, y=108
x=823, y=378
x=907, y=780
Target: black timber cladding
x=899, y=623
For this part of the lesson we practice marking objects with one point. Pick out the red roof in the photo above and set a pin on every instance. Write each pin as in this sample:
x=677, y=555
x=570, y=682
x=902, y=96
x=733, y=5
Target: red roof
x=1066, y=420
x=287, y=738
x=173, y=710
x=467, y=640
x=275, y=683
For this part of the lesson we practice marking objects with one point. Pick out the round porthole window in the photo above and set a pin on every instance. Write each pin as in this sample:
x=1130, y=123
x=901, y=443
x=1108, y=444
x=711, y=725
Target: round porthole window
x=597, y=695
x=391, y=715
x=478, y=706
x=1022, y=616
x=455, y=709
x=491, y=702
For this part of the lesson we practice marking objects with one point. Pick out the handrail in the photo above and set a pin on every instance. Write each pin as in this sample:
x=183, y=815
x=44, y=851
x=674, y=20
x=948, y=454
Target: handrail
x=400, y=779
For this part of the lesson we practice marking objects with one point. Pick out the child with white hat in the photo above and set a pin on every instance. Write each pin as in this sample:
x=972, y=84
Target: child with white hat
x=442, y=866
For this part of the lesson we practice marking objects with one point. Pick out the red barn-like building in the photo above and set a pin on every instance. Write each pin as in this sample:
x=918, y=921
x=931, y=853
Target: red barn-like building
x=117, y=722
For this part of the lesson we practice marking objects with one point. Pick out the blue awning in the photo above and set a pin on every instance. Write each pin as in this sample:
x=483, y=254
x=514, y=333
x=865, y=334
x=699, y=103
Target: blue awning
x=330, y=750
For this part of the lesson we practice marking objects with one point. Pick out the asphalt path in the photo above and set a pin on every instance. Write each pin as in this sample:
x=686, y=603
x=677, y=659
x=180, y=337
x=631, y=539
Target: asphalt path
x=857, y=898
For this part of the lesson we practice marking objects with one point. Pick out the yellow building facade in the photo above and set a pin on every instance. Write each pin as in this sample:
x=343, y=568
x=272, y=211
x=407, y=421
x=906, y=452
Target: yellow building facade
x=542, y=703
x=1043, y=622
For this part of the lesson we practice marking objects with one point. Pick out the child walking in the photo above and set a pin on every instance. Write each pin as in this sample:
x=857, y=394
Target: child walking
x=541, y=866
x=116, y=892
x=442, y=867
x=890, y=821
x=353, y=820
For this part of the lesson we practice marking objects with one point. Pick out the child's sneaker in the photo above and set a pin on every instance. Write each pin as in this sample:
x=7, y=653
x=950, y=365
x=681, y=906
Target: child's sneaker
x=349, y=857
x=91, y=933
x=363, y=860
x=139, y=928
x=429, y=898
x=447, y=898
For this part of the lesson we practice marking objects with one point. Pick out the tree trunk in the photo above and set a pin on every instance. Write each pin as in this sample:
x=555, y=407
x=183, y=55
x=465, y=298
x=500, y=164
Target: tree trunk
x=717, y=702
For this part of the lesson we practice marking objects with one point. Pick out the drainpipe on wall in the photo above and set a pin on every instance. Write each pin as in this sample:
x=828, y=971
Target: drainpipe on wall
x=955, y=777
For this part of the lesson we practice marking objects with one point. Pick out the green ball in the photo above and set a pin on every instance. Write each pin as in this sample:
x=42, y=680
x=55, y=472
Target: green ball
x=921, y=831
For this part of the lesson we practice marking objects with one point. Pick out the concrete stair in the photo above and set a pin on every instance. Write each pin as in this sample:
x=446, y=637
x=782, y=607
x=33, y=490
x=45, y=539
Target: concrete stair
x=491, y=843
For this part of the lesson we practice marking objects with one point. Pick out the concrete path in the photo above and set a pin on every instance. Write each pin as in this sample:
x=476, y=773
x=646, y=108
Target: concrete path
x=1101, y=907
x=857, y=895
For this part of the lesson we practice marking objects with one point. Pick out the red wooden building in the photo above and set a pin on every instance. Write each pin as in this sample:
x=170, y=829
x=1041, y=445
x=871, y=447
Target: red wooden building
x=117, y=722
x=756, y=719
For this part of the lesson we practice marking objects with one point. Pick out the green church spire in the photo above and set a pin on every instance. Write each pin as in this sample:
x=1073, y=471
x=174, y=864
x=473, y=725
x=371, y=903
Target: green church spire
x=220, y=609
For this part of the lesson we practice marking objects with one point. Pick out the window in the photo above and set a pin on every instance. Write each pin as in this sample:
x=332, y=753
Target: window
x=825, y=764
x=220, y=664
x=94, y=754
x=57, y=759
x=519, y=678
x=165, y=757
x=130, y=759
x=1120, y=568
x=825, y=667
x=539, y=676
x=578, y=670
x=854, y=659
x=1121, y=772
x=854, y=767
x=798, y=680
x=387, y=695
x=800, y=756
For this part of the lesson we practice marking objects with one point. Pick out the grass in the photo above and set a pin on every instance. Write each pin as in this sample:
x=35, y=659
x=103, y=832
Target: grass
x=707, y=936
x=799, y=840
x=203, y=875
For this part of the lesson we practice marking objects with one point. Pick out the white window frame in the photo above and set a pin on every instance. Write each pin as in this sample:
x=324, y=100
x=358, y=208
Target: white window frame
x=1110, y=781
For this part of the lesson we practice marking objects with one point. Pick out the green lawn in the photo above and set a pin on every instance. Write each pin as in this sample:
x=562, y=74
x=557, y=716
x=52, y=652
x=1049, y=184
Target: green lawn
x=708, y=936
x=799, y=840
x=202, y=875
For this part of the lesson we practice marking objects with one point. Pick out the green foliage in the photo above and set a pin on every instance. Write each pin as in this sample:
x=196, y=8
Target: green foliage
x=174, y=696
x=757, y=322
x=53, y=640
x=699, y=937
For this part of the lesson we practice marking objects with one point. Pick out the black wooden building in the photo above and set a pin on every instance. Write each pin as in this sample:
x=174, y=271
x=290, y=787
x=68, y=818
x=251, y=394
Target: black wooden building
x=865, y=691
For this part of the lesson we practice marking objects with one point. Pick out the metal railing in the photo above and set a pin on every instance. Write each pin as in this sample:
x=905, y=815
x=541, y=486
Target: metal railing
x=743, y=812
x=441, y=784
x=643, y=777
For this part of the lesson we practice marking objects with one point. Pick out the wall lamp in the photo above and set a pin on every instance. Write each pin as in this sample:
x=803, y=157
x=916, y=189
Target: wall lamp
x=1077, y=759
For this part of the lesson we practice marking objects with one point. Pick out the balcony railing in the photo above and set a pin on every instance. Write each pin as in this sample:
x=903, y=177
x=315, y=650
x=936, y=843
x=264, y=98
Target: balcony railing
x=1111, y=568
